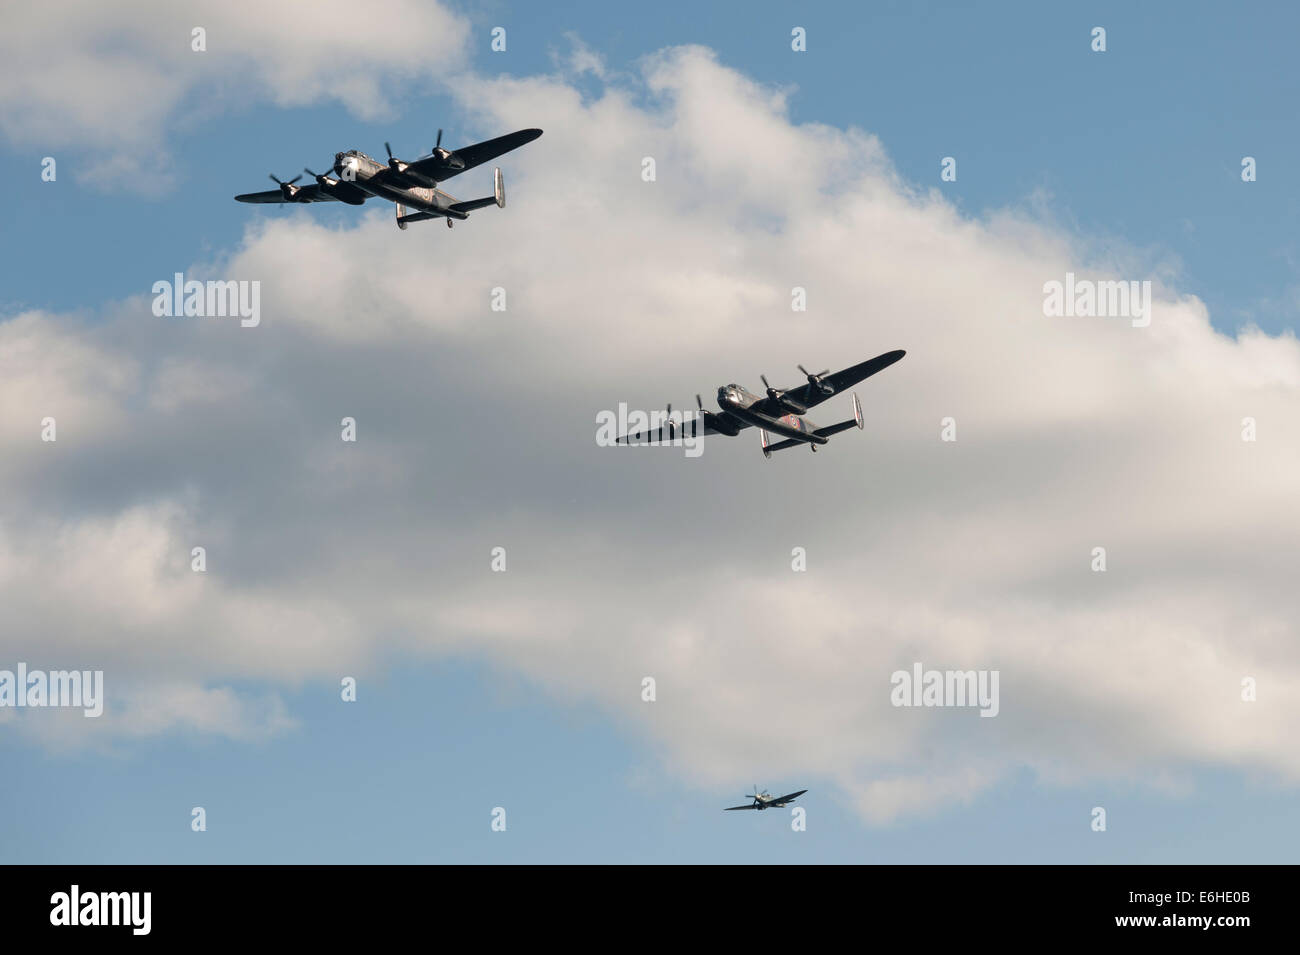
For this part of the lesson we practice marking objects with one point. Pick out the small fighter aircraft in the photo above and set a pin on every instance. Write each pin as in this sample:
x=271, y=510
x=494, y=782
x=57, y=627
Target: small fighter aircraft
x=765, y=800
x=412, y=185
x=780, y=411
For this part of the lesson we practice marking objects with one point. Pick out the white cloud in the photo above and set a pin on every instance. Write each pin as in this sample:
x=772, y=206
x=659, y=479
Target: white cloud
x=476, y=430
x=110, y=81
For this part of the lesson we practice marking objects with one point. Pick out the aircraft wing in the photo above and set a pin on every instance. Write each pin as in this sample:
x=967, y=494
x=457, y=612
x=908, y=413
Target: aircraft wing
x=790, y=798
x=734, y=808
x=714, y=423
x=440, y=170
x=809, y=395
x=312, y=193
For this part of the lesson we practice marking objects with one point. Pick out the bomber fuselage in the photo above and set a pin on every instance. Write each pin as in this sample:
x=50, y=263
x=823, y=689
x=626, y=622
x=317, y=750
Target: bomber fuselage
x=382, y=180
x=738, y=401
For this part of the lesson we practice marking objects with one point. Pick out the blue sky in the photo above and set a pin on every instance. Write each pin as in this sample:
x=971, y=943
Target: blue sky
x=1135, y=151
x=413, y=770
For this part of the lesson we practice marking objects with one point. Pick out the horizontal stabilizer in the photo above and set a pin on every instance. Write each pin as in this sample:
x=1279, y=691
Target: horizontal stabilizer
x=826, y=432
x=498, y=197
x=779, y=446
x=470, y=205
x=403, y=217
x=829, y=430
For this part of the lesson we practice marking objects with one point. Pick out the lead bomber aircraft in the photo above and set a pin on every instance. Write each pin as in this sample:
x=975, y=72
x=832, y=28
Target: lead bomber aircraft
x=780, y=412
x=412, y=185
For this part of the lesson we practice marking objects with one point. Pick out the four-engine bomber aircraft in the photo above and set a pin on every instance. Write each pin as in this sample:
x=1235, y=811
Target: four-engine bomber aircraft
x=780, y=411
x=412, y=185
x=765, y=800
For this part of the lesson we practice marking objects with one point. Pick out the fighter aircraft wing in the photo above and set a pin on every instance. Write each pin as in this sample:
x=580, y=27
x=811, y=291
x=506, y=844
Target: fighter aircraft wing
x=440, y=169
x=714, y=423
x=809, y=395
x=734, y=808
x=790, y=798
x=312, y=193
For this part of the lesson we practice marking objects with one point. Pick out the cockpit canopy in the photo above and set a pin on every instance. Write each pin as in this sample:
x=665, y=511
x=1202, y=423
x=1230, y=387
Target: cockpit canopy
x=353, y=154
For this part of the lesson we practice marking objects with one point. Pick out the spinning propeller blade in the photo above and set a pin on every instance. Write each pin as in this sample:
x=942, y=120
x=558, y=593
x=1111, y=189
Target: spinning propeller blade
x=816, y=380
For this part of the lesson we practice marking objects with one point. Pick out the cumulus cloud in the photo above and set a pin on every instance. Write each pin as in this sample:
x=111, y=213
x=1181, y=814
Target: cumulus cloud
x=476, y=430
x=111, y=80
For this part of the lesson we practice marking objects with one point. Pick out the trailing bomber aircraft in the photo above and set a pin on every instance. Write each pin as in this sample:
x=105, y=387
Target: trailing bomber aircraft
x=781, y=411
x=765, y=800
x=412, y=185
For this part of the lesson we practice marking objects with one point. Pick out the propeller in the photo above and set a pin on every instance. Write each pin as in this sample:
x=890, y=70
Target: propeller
x=448, y=158
x=780, y=398
x=699, y=402
x=335, y=188
x=287, y=188
x=394, y=164
x=816, y=380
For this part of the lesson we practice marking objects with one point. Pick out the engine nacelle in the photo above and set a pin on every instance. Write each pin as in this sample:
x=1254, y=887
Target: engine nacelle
x=721, y=424
x=792, y=406
x=340, y=191
x=448, y=160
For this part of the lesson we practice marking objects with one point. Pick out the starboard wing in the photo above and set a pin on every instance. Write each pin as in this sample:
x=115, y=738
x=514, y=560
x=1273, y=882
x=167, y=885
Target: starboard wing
x=809, y=395
x=466, y=158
